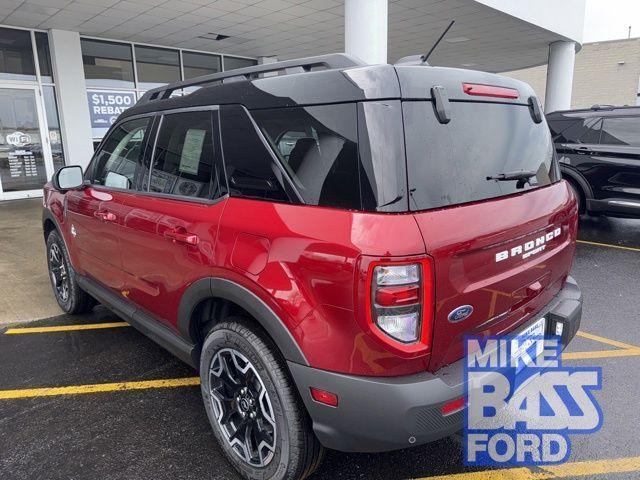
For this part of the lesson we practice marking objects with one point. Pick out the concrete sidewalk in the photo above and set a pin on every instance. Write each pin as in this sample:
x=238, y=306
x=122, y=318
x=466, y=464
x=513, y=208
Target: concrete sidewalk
x=24, y=281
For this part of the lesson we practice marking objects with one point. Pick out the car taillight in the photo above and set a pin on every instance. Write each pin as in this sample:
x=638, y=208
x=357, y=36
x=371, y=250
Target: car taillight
x=490, y=91
x=399, y=295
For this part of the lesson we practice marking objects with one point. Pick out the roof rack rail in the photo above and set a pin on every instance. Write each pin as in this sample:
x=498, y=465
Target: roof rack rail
x=602, y=107
x=331, y=61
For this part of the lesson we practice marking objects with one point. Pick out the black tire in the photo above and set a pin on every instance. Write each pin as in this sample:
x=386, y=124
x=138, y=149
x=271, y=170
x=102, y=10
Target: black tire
x=295, y=452
x=582, y=201
x=71, y=298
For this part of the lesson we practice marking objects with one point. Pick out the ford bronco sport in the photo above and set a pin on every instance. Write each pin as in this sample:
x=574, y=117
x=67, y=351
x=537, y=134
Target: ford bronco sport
x=316, y=236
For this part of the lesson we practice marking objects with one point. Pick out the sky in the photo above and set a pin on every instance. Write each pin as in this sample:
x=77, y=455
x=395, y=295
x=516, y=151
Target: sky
x=610, y=19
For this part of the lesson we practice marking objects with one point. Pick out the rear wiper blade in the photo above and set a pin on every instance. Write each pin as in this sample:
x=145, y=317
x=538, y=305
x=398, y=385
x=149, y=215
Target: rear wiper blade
x=505, y=177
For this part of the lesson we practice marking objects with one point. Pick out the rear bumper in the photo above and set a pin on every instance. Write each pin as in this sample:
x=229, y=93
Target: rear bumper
x=380, y=414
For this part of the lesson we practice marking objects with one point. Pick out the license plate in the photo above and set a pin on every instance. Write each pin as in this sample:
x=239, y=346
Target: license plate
x=525, y=341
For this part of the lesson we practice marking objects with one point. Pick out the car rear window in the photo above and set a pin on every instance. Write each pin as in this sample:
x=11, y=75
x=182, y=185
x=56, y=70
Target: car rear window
x=448, y=164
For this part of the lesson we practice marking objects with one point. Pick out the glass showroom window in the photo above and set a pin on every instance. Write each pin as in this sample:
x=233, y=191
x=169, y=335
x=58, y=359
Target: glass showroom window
x=44, y=58
x=53, y=125
x=198, y=64
x=107, y=64
x=16, y=55
x=156, y=66
x=231, y=63
x=28, y=114
x=49, y=98
x=110, y=78
x=117, y=74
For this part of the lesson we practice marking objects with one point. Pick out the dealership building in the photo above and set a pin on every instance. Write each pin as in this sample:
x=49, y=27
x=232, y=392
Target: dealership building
x=605, y=73
x=69, y=67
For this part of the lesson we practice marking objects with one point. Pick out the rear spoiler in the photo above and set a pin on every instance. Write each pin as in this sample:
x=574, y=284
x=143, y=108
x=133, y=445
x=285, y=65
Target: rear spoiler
x=444, y=85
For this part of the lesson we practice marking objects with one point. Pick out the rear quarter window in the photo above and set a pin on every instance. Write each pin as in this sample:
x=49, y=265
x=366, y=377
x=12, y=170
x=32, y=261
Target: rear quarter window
x=575, y=130
x=621, y=131
x=448, y=164
x=251, y=170
x=318, y=147
x=348, y=156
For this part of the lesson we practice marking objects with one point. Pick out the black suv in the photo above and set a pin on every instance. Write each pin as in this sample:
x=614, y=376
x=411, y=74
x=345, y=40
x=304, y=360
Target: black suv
x=599, y=150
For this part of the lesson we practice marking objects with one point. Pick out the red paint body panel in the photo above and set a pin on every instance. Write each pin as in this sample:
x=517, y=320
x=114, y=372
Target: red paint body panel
x=309, y=277
x=156, y=269
x=309, y=264
x=96, y=242
x=464, y=240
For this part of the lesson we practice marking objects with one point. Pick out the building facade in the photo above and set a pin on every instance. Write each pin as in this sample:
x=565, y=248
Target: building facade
x=68, y=68
x=605, y=73
x=112, y=76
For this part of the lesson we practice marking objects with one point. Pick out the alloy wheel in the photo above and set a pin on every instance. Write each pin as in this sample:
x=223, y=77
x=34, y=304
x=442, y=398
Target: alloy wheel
x=242, y=407
x=58, y=272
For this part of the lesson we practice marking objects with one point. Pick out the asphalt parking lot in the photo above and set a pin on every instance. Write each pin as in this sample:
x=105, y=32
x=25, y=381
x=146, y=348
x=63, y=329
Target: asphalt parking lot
x=92, y=398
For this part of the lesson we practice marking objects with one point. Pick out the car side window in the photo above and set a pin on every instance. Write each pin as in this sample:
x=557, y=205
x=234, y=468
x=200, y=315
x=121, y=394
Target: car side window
x=287, y=141
x=318, y=146
x=579, y=130
x=119, y=159
x=621, y=131
x=183, y=159
x=251, y=170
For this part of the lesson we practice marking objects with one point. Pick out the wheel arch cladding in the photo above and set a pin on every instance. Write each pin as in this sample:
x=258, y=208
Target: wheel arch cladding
x=575, y=176
x=219, y=288
x=49, y=222
x=47, y=227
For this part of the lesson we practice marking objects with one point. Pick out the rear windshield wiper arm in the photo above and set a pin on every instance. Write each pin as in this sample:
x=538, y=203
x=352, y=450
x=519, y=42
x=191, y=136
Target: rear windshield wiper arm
x=505, y=177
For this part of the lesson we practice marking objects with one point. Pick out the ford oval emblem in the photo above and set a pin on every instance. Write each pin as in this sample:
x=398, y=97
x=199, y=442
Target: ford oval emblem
x=460, y=313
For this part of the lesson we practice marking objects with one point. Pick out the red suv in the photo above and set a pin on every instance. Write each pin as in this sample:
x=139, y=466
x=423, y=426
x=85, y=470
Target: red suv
x=317, y=236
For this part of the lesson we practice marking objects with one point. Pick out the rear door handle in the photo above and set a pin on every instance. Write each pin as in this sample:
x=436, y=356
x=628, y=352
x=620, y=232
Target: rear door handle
x=105, y=216
x=182, y=236
x=582, y=150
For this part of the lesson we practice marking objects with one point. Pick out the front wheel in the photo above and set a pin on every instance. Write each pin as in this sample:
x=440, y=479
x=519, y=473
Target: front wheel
x=253, y=406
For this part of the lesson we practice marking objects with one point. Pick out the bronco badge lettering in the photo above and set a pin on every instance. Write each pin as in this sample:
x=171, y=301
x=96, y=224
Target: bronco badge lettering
x=529, y=248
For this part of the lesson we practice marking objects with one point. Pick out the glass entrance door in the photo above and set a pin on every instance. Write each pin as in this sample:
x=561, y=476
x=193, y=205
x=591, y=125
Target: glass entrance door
x=25, y=159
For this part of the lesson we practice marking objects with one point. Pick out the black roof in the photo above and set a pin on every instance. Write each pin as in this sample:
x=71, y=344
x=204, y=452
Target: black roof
x=319, y=80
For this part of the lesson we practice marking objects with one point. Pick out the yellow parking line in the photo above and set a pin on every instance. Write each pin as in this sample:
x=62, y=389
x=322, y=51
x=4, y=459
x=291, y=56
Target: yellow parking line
x=608, y=341
x=608, y=245
x=628, y=352
x=99, y=387
x=567, y=470
x=64, y=328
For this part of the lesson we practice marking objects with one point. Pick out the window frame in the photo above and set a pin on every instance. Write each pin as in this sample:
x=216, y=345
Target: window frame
x=90, y=173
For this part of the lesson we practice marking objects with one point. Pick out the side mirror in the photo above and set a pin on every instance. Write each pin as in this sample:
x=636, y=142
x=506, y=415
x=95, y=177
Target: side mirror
x=68, y=178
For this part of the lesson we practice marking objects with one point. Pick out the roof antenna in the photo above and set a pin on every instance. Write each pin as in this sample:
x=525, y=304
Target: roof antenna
x=424, y=58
